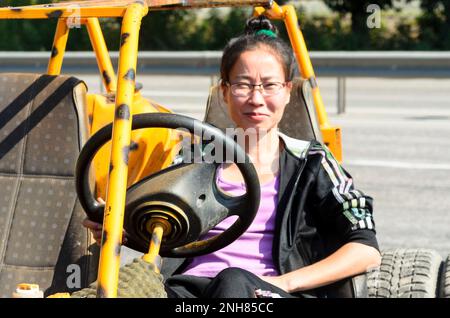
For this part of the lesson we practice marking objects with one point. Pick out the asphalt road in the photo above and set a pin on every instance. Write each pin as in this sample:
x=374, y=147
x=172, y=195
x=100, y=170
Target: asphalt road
x=396, y=140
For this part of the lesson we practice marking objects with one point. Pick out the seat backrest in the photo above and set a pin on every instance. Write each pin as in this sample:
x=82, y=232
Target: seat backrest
x=299, y=120
x=43, y=124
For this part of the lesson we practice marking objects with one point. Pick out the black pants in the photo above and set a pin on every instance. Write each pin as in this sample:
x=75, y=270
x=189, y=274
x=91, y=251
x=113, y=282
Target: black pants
x=229, y=283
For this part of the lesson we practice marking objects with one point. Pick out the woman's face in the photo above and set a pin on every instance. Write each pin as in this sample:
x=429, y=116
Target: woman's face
x=259, y=66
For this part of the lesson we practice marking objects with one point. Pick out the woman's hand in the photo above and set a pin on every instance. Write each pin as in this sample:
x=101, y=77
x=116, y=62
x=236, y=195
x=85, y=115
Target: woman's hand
x=278, y=281
x=97, y=228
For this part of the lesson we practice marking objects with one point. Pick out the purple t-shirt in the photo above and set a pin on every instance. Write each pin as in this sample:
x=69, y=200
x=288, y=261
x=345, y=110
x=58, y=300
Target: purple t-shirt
x=253, y=249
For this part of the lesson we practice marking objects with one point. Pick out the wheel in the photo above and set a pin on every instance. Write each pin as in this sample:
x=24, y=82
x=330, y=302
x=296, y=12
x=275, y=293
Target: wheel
x=184, y=197
x=405, y=273
x=445, y=279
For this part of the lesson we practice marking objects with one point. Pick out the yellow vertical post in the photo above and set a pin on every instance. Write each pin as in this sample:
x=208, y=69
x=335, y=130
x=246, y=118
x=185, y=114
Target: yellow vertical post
x=101, y=52
x=331, y=134
x=115, y=199
x=59, y=47
x=301, y=52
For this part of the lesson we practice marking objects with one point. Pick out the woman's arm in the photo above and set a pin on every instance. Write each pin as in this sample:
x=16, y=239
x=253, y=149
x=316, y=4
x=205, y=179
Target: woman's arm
x=349, y=260
x=339, y=206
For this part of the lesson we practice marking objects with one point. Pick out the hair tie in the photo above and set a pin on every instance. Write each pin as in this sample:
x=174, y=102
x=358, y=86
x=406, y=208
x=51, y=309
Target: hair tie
x=269, y=33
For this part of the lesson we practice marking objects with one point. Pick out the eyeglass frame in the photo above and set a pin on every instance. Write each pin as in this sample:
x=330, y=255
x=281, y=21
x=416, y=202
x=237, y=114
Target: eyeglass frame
x=261, y=89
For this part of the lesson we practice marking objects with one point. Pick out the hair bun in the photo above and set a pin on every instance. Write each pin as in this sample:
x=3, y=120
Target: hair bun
x=259, y=23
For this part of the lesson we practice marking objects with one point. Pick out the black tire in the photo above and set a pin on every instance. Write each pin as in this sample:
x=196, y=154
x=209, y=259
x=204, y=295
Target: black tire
x=445, y=279
x=405, y=273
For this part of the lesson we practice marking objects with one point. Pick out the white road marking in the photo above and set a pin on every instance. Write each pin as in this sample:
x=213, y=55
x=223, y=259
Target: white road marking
x=397, y=164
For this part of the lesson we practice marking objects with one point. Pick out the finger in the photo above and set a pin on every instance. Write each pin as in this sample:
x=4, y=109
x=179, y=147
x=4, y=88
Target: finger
x=100, y=200
x=91, y=224
x=124, y=236
x=97, y=234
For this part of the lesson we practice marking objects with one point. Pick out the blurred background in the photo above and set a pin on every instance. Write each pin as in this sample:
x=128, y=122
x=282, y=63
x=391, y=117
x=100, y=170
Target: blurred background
x=384, y=72
x=327, y=25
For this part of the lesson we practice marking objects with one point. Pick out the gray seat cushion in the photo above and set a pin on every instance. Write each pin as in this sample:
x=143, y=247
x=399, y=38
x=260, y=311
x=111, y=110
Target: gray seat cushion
x=43, y=125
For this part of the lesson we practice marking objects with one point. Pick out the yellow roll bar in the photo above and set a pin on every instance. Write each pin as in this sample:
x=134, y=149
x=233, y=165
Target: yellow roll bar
x=59, y=48
x=289, y=16
x=101, y=52
x=331, y=134
x=114, y=8
x=98, y=44
x=115, y=198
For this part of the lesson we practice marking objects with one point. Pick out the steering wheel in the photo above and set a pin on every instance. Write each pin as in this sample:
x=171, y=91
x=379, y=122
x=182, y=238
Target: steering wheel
x=183, y=197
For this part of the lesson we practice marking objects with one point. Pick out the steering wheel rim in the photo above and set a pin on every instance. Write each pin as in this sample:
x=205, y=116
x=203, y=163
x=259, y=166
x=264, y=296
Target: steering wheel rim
x=95, y=210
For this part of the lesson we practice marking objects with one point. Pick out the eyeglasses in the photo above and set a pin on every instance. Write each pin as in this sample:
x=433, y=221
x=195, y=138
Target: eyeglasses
x=246, y=89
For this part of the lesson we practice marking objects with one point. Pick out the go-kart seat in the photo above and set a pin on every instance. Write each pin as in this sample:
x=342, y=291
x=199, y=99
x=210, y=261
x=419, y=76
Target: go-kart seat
x=299, y=121
x=43, y=125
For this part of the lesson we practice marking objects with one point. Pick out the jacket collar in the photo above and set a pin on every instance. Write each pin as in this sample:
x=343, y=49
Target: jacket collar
x=294, y=152
x=296, y=147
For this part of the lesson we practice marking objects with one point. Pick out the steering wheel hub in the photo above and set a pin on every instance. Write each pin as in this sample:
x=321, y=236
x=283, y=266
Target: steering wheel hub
x=140, y=222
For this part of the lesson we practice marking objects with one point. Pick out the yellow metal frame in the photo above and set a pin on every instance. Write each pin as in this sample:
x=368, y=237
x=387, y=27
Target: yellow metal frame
x=99, y=46
x=115, y=199
x=331, y=134
x=101, y=53
x=132, y=12
x=59, y=48
x=113, y=8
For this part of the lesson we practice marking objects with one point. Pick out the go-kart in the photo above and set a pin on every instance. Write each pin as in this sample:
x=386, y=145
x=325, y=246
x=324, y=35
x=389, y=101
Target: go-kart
x=63, y=148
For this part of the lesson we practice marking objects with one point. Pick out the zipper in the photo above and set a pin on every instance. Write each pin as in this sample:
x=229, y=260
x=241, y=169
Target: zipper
x=300, y=169
x=289, y=227
x=290, y=238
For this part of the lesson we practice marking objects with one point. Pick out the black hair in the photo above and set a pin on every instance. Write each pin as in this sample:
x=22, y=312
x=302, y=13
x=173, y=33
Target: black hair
x=252, y=39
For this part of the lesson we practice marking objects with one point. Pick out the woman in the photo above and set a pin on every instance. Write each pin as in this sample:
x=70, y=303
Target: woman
x=313, y=228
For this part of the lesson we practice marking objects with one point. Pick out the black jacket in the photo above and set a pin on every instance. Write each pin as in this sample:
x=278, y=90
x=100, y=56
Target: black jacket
x=318, y=211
